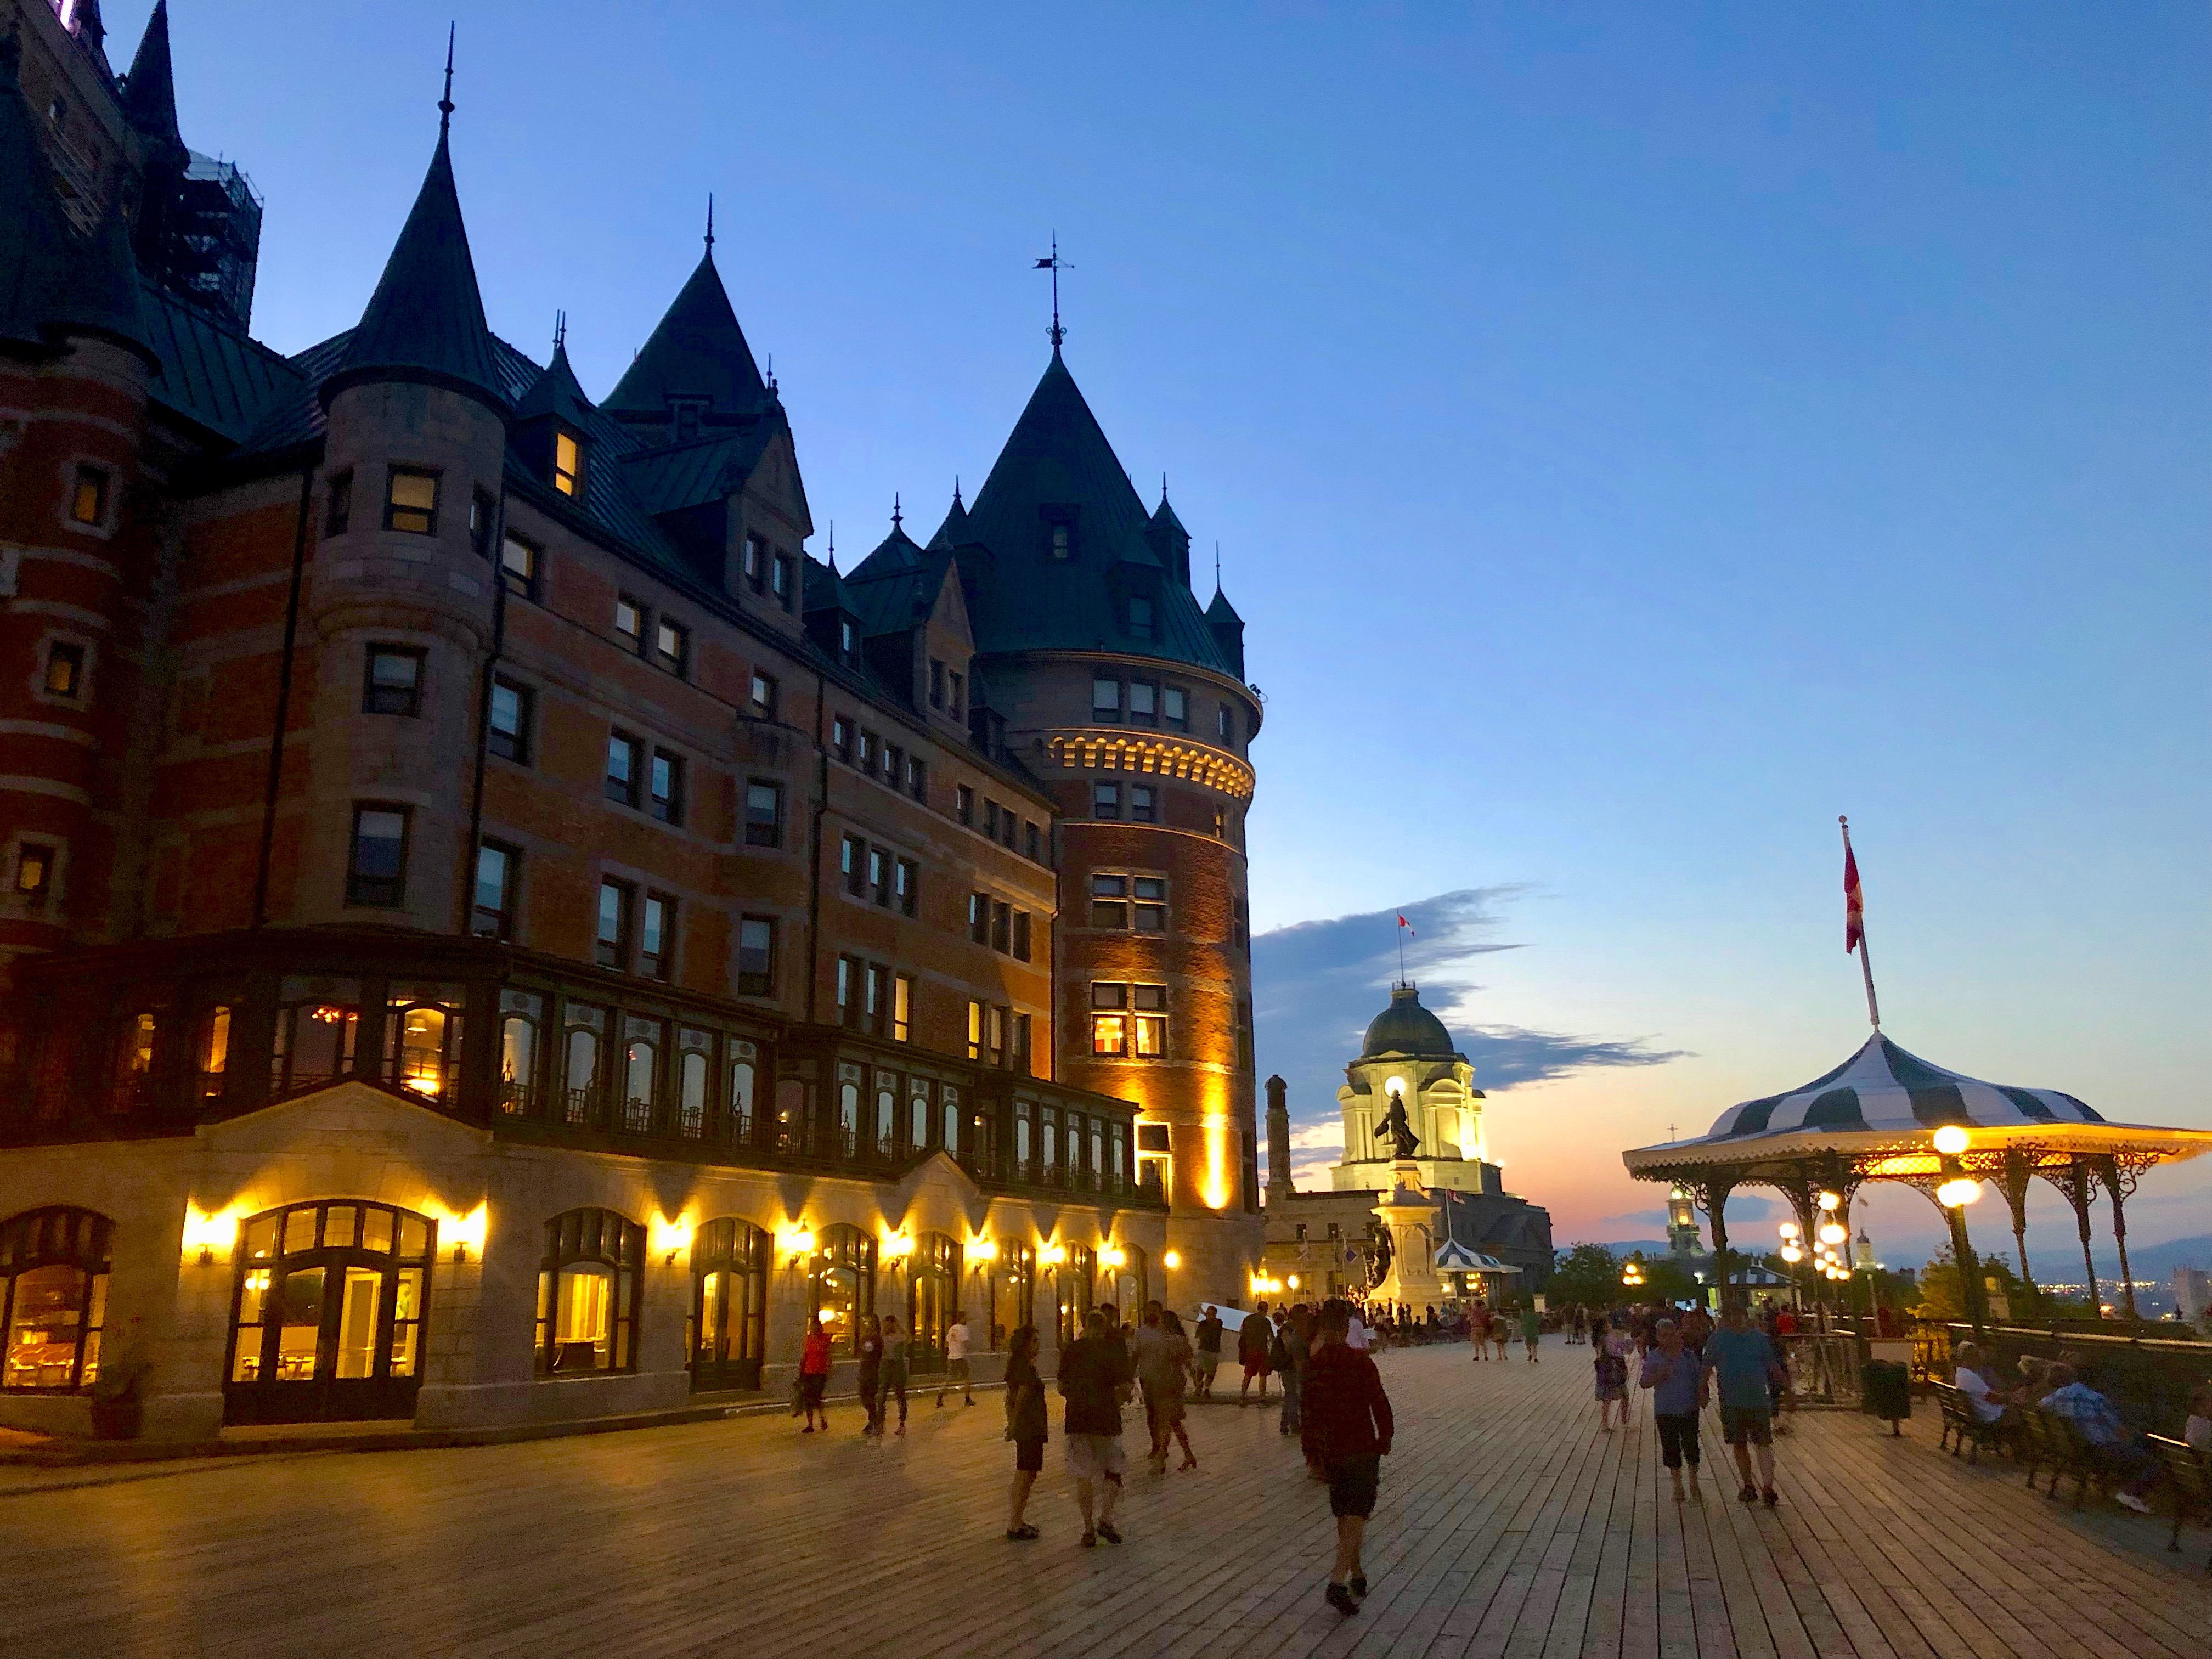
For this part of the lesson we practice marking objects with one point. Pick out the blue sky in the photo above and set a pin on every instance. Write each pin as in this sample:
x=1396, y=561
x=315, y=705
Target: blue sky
x=1634, y=434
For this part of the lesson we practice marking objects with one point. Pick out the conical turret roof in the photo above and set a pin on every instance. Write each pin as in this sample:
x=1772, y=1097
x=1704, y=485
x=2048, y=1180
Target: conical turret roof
x=150, y=91
x=35, y=245
x=954, y=530
x=102, y=295
x=426, y=319
x=695, y=350
x=555, y=393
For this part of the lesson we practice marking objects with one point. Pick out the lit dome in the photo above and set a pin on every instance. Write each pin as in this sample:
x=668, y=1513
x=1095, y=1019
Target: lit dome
x=1406, y=1028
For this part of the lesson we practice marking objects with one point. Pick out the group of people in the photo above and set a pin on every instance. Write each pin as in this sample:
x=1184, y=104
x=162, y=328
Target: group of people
x=1332, y=1398
x=885, y=1355
x=1496, y=1327
x=2065, y=1386
x=1684, y=1360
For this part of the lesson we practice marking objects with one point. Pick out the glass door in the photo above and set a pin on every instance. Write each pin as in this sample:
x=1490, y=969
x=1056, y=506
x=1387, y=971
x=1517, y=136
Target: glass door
x=327, y=1316
x=729, y=1307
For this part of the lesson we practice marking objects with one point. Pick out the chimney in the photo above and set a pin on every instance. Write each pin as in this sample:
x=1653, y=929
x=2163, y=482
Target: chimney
x=1278, y=1140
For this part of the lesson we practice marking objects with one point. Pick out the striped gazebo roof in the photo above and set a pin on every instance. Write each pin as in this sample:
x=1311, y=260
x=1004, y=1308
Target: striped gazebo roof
x=1883, y=1088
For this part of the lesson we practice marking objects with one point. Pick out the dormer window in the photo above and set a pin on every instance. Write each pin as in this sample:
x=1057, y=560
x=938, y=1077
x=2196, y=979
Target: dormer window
x=849, y=638
x=1141, y=618
x=1060, y=541
x=567, y=464
x=688, y=414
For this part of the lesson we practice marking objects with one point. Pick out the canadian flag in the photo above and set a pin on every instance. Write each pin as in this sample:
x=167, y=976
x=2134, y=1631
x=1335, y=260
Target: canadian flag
x=1854, y=903
x=1406, y=924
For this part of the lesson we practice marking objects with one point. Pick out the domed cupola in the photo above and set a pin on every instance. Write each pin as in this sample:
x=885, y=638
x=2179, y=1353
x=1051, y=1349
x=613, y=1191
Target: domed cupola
x=1407, y=1029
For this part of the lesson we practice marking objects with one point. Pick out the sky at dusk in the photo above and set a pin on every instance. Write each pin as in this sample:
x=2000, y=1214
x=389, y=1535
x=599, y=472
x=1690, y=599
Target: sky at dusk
x=1634, y=435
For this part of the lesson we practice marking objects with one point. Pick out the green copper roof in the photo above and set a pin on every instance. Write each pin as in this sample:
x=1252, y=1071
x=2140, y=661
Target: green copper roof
x=556, y=393
x=150, y=91
x=102, y=297
x=426, y=319
x=954, y=530
x=34, y=240
x=695, y=350
x=1057, y=466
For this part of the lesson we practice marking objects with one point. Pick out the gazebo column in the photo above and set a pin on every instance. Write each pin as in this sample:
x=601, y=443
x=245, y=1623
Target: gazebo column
x=2077, y=1179
x=1714, y=1189
x=2119, y=1180
x=2019, y=1169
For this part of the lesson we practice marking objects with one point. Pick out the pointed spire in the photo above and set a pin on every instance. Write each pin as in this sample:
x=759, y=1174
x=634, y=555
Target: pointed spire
x=898, y=517
x=695, y=350
x=954, y=530
x=710, y=224
x=150, y=91
x=1055, y=264
x=426, y=320
x=555, y=392
x=955, y=489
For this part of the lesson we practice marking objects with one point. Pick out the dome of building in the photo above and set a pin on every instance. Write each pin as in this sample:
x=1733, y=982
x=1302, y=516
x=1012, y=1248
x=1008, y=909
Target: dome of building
x=1406, y=1028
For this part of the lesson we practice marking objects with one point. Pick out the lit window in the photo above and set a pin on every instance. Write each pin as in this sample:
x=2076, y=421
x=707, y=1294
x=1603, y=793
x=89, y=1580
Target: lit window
x=410, y=502
x=64, y=675
x=376, y=865
x=765, y=698
x=492, y=914
x=756, y=956
x=763, y=814
x=567, y=464
x=394, y=684
x=671, y=646
x=34, y=873
x=1109, y=1035
x=612, y=941
x=53, y=1298
x=1151, y=1002
x=89, y=496
x=629, y=622
x=902, y=1008
x=975, y=1030
x=623, y=767
x=588, y=1285
x=509, y=738
x=517, y=566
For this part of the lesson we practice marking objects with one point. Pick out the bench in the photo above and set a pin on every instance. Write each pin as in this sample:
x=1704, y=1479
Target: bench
x=2188, y=1478
x=2052, y=1441
x=1963, y=1425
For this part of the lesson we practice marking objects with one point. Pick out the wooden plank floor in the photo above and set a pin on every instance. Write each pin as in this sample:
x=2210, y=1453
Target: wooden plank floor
x=1510, y=1528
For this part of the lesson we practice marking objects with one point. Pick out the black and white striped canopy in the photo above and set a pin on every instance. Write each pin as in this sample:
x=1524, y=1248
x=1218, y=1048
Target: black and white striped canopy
x=1883, y=1088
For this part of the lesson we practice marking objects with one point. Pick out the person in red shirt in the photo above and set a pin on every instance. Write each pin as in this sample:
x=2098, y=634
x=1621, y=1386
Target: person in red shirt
x=1345, y=1434
x=814, y=1377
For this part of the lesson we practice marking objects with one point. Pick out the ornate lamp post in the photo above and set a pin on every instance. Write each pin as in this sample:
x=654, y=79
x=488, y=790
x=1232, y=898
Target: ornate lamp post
x=1957, y=1191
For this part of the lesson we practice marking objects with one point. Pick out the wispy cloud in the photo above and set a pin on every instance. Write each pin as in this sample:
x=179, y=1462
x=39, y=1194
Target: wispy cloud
x=1317, y=984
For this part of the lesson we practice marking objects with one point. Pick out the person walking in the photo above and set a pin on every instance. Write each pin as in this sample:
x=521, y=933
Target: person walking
x=1289, y=1354
x=897, y=1356
x=872, y=1376
x=1743, y=1361
x=1676, y=1377
x=1209, y=1351
x=1094, y=1373
x=1253, y=1338
x=1582, y=1325
x=1532, y=1330
x=1026, y=1426
x=814, y=1377
x=1181, y=1354
x=1501, y=1334
x=955, y=1360
x=1347, y=1433
x=1477, y=1327
x=1611, y=1370
x=1152, y=1355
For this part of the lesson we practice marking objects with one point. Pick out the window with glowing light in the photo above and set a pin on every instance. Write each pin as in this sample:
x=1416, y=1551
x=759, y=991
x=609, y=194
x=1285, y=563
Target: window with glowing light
x=567, y=464
x=729, y=1304
x=328, y=1312
x=521, y=1016
x=642, y=1044
x=1013, y=1289
x=132, y=1086
x=212, y=1051
x=841, y=1284
x=54, y=1267
x=1072, y=1289
x=932, y=1294
x=587, y=1294
x=410, y=502
x=318, y=1028
x=422, y=1041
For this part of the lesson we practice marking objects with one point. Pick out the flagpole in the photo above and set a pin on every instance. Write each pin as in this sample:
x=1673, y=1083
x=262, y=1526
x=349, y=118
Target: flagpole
x=1866, y=960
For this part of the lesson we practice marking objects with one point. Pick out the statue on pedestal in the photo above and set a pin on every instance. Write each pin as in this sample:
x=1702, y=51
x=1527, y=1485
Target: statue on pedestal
x=1403, y=1141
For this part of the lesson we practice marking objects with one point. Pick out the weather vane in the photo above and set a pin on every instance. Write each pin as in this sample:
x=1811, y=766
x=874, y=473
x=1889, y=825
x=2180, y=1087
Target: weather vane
x=1055, y=264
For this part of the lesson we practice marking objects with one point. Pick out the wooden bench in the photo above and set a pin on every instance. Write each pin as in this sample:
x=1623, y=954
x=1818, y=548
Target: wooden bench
x=2189, y=1478
x=2052, y=1441
x=1963, y=1425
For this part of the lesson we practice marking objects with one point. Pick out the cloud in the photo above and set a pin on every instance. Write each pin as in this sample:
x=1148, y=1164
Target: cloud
x=1317, y=984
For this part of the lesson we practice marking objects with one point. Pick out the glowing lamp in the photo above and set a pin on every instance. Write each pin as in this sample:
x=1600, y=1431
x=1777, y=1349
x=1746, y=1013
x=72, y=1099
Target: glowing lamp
x=670, y=1238
x=1294, y=1281
x=1950, y=1140
x=1113, y=1256
x=1055, y=1253
x=1396, y=1085
x=826, y=1314
x=800, y=1242
x=1791, y=1252
x=898, y=1246
x=465, y=1233
x=1830, y=1201
x=1789, y=1230
x=983, y=1249
x=1952, y=1193
x=1171, y=1259
x=208, y=1234
x=1834, y=1233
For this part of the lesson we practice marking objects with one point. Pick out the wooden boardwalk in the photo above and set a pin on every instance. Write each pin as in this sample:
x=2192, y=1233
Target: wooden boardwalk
x=1508, y=1529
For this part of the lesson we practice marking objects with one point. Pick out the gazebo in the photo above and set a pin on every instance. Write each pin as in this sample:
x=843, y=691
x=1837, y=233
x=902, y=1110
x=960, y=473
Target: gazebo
x=1886, y=1115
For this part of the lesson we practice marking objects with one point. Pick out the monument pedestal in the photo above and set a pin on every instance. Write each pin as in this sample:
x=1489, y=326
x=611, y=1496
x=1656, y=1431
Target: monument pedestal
x=1409, y=1216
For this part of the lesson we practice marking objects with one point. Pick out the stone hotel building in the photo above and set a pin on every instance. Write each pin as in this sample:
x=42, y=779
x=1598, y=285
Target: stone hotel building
x=491, y=929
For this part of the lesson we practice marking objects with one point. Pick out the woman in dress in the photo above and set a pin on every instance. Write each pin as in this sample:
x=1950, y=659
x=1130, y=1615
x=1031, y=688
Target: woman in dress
x=1026, y=1427
x=1183, y=1358
x=1611, y=1363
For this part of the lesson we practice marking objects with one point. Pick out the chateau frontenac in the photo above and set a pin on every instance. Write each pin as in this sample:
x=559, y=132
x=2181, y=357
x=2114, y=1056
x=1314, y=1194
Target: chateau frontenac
x=491, y=927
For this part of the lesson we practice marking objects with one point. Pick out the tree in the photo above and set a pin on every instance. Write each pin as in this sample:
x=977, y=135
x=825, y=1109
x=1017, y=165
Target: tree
x=1940, y=1294
x=1669, y=1281
x=1588, y=1274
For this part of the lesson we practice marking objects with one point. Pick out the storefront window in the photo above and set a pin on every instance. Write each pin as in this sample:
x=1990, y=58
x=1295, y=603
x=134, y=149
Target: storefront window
x=730, y=1272
x=1013, y=1278
x=842, y=1285
x=588, y=1291
x=53, y=1298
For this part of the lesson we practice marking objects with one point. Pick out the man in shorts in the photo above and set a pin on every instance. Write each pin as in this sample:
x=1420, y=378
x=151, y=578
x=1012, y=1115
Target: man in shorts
x=1209, y=1351
x=1742, y=1359
x=955, y=1360
x=1151, y=1351
x=1254, y=1337
x=1094, y=1377
x=1347, y=1433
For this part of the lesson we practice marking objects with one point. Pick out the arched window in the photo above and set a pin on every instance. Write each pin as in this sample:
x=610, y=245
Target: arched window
x=729, y=1304
x=1074, y=1291
x=917, y=1114
x=318, y=1027
x=1013, y=1280
x=745, y=1059
x=587, y=1292
x=584, y=1030
x=886, y=1115
x=641, y=1072
x=842, y=1289
x=327, y=1313
x=1128, y=1286
x=691, y=1082
x=423, y=1041
x=951, y=1109
x=53, y=1297
x=790, y=1114
x=932, y=1297
x=132, y=1085
x=520, y=1015
x=212, y=1051
x=848, y=1111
